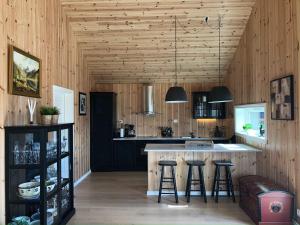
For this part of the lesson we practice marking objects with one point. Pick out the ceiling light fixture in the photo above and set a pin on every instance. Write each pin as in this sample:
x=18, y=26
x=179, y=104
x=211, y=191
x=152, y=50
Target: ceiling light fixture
x=176, y=94
x=220, y=93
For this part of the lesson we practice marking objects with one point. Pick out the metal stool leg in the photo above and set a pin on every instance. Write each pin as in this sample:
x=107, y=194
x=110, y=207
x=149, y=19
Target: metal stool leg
x=202, y=184
x=174, y=183
x=218, y=184
x=190, y=177
x=227, y=180
x=189, y=183
x=161, y=183
x=231, y=185
x=214, y=183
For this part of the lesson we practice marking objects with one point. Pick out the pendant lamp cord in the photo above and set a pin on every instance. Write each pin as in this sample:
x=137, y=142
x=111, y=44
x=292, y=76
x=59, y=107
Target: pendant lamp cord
x=219, y=50
x=175, y=51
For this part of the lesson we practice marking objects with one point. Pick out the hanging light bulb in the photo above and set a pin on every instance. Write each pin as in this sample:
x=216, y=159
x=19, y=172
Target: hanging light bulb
x=220, y=93
x=176, y=94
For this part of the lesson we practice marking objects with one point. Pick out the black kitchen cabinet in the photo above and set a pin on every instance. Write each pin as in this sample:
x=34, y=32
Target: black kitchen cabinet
x=204, y=110
x=124, y=155
x=141, y=159
x=102, y=128
x=130, y=155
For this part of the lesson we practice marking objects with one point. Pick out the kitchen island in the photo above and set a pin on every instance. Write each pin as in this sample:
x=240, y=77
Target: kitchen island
x=243, y=156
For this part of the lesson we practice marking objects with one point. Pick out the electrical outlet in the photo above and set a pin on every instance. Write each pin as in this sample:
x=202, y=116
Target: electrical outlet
x=298, y=212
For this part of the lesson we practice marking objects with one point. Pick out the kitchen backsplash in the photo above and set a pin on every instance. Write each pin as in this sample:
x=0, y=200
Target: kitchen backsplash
x=178, y=116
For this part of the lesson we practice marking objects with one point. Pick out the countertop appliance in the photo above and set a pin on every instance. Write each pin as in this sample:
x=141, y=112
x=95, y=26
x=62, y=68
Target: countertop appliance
x=129, y=130
x=166, y=131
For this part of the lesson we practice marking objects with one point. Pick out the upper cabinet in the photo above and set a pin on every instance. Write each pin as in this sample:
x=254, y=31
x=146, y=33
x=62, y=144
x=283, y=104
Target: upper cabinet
x=204, y=110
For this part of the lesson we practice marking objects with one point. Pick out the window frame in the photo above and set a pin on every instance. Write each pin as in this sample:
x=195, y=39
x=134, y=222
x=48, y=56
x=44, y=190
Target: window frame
x=249, y=137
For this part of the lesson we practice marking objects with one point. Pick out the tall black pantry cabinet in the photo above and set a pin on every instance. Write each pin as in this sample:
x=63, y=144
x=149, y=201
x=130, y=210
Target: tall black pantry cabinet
x=103, y=125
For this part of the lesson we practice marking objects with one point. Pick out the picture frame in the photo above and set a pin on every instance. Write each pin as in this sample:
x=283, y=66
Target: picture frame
x=82, y=106
x=24, y=76
x=282, y=98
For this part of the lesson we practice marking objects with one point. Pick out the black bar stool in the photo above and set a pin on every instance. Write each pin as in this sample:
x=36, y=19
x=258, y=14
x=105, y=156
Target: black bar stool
x=163, y=179
x=227, y=164
x=191, y=181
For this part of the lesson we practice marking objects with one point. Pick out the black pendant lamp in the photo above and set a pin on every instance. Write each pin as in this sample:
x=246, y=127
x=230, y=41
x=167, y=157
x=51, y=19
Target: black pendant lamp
x=176, y=94
x=220, y=93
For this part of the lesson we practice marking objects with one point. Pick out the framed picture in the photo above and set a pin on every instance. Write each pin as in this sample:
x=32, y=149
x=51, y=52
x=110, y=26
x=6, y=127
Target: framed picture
x=82, y=103
x=282, y=98
x=24, y=73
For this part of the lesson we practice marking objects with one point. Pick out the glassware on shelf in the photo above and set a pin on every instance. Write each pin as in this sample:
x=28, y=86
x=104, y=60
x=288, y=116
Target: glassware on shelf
x=29, y=154
x=51, y=150
x=64, y=144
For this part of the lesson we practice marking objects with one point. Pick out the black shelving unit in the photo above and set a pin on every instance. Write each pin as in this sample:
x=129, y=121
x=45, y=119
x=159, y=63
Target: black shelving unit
x=42, y=155
x=204, y=110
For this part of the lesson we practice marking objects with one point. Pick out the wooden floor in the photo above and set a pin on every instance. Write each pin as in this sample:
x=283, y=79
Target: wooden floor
x=119, y=198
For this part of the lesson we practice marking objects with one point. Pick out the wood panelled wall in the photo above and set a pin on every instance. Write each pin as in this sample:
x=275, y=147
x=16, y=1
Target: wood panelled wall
x=268, y=50
x=130, y=107
x=39, y=27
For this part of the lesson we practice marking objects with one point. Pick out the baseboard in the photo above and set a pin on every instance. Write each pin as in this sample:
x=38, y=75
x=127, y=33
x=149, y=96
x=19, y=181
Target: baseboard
x=82, y=178
x=193, y=193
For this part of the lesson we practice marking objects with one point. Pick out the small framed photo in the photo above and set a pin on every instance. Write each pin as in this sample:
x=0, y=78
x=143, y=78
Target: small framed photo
x=24, y=73
x=282, y=98
x=82, y=104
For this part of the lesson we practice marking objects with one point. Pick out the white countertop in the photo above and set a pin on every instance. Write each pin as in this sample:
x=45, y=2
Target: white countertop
x=144, y=138
x=216, y=148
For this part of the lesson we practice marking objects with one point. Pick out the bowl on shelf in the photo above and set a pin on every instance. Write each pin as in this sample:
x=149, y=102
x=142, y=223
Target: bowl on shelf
x=21, y=219
x=29, y=190
x=35, y=222
x=50, y=185
x=50, y=218
x=37, y=178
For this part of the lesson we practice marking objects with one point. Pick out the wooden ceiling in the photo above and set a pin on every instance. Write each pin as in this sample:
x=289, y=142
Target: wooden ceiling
x=132, y=41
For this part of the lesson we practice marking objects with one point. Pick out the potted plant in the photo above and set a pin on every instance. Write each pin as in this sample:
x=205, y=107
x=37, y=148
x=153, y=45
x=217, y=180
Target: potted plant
x=55, y=115
x=46, y=115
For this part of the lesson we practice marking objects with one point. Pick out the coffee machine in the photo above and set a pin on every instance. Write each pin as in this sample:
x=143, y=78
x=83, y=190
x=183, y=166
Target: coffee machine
x=129, y=130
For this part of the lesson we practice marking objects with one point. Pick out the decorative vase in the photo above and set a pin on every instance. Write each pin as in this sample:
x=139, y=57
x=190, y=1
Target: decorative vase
x=55, y=119
x=46, y=119
x=31, y=107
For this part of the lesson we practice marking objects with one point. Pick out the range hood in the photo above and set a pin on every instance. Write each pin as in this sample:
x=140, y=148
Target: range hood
x=149, y=100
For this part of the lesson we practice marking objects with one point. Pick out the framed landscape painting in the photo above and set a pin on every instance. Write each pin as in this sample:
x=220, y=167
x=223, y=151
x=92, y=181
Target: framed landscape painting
x=24, y=73
x=82, y=104
x=282, y=98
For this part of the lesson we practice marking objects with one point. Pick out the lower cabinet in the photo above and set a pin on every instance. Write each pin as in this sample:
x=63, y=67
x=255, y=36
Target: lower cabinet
x=124, y=155
x=131, y=156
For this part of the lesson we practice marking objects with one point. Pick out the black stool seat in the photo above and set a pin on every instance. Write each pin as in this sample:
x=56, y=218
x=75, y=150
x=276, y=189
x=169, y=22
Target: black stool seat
x=167, y=163
x=223, y=163
x=195, y=163
x=163, y=179
x=226, y=164
x=190, y=181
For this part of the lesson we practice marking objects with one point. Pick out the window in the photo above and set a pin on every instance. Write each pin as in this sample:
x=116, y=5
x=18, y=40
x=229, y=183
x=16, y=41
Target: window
x=250, y=121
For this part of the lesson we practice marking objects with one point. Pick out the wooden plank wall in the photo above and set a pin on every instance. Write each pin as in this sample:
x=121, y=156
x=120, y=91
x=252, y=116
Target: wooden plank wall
x=39, y=27
x=268, y=50
x=130, y=107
